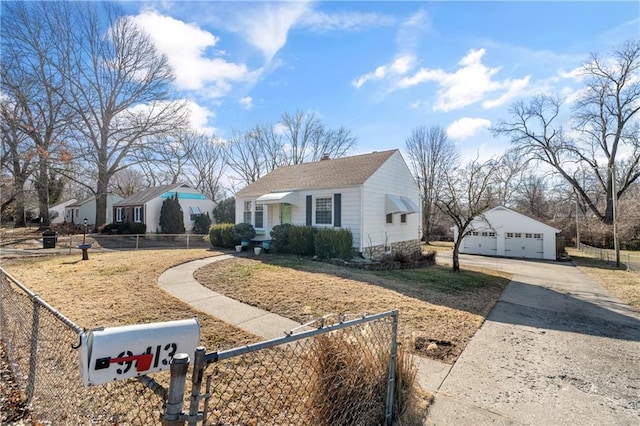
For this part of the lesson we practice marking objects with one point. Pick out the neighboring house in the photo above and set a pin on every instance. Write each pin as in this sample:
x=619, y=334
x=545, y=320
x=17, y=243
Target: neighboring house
x=57, y=212
x=77, y=212
x=373, y=195
x=504, y=232
x=144, y=207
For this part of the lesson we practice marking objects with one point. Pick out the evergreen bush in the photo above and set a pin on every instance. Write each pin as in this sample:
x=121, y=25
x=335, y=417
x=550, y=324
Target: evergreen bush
x=202, y=223
x=171, y=216
x=221, y=236
x=244, y=231
x=333, y=244
x=280, y=237
x=302, y=240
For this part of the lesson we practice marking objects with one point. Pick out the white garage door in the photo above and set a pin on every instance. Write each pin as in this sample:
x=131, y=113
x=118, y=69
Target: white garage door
x=521, y=244
x=480, y=243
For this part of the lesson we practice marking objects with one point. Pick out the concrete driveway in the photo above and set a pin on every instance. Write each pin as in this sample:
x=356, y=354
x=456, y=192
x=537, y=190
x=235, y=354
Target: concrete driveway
x=557, y=349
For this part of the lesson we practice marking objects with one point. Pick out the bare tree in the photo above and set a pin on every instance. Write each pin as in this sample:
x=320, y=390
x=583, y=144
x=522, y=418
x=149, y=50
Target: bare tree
x=33, y=43
x=120, y=88
x=206, y=167
x=431, y=154
x=508, y=177
x=466, y=194
x=606, y=125
x=127, y=182
x=17, y=159
x=531, y=198
x=246, y=159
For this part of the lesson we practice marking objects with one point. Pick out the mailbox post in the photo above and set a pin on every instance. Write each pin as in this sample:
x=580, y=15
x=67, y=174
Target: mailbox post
x=84, y=246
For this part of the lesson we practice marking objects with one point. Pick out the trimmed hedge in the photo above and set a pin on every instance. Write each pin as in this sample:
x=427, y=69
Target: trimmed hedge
x=124, y=228
x=221, y=236
x=280, y=237
x=333, y=244
x=302, y=240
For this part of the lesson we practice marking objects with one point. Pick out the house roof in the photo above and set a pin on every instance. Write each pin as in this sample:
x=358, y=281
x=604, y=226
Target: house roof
x=331, y=173
x=88, y=200
x=523, y=216
x=149, y=194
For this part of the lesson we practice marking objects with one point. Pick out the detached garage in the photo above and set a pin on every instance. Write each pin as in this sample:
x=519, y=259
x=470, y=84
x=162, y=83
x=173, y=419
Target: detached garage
x=504, y=232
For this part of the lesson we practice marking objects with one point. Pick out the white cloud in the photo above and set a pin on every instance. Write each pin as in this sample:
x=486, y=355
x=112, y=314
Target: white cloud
x=344, y=21
x=470, y=84
x=466, y=127
x=186, y=48
x=200, y=116
x=266, y=25
x=398, y=67
x=246, y=102
x=411, y=31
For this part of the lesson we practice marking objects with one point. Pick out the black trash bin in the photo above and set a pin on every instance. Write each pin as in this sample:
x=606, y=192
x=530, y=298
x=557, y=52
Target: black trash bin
x=49, y=239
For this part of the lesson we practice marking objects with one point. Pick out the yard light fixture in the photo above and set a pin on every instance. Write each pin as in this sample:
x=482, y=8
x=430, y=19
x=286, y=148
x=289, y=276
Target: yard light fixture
x=84, y=235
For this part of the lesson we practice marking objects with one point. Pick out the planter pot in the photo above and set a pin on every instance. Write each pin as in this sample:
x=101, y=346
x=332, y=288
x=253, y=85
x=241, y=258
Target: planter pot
x=238, y=249
x=257, y=250
x=266, y=246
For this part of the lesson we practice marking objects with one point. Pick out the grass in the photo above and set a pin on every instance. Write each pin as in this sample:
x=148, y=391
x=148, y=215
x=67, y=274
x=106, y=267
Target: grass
x=623, y=284
x=435, y=304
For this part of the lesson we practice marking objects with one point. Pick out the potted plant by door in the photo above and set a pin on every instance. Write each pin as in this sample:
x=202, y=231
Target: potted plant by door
x=244, y=232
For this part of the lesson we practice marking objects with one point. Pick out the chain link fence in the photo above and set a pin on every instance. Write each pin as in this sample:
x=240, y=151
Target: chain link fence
x=39, y=344
x=339, y=374
x=627, y=259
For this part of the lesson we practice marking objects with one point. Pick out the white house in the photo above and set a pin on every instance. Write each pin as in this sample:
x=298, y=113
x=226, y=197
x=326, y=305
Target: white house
x=57, y=211
x=144, y=207
x=373, y=195
x=504, y=232
x=77, y=212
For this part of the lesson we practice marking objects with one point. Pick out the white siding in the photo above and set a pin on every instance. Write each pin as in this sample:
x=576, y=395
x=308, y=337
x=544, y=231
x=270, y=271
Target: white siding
x=152, y=209
x=392, y=178
x=504, y=221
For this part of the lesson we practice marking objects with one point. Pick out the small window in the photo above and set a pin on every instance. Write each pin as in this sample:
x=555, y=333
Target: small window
x=509, y=234
x=137, y=214
x=259, y=216
x=475, y=233
x=324, y=211
x=492, y=234
x=194, y=212
x=246, y=218
x=528, y=235
x=389, y=218
x=517, y=235
x=118, y=214
x=403, y=218
x=537, y=236
x=485, y=234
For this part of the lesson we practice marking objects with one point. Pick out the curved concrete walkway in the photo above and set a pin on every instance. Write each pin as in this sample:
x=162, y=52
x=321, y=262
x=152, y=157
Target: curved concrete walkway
x=179, y=281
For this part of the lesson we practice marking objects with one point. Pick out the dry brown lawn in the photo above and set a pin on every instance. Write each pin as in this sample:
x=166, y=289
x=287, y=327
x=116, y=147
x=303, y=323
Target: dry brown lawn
x=623, y=284
x=430, y=312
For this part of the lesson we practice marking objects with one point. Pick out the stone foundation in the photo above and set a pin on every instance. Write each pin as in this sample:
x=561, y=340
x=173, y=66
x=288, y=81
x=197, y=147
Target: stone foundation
x=409, y=248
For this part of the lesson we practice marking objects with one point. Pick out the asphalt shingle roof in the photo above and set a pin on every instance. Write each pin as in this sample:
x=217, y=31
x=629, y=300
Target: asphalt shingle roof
x=147, y=195
x=323, y=174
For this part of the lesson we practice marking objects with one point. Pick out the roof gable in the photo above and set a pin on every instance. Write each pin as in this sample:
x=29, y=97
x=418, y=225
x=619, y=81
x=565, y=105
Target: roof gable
x=331, y=173
x=502, y=209
x=149, y=194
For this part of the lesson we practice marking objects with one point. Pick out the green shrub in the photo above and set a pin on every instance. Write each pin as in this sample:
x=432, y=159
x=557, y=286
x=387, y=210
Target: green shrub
x=244, y=231
x=334, y=243
x=202, y=223
x=124, y=228
x=225, y=211
x=171, y=216
x=221, y=236
x=302, y=240
x=280, y=235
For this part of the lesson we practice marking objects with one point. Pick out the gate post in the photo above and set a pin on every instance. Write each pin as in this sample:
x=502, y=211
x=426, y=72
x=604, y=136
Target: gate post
x=173, y=415
x=391, y=383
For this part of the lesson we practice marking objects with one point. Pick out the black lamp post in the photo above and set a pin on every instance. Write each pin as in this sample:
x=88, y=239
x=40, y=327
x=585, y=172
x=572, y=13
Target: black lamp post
x=84, y=235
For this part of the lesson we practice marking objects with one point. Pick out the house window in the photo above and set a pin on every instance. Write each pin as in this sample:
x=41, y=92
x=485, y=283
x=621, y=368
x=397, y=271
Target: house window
x=389, y=218
x=492, y=234
x=137, y=214
x=403, y=218
x=259, y=216
x=528, y=235
x=485, y=234
x=509, y=234
x=323, y=211
x=247, y=212
x=517, y=235
x=194, y=212
x=537, y=236
x=475, y=233
x=118, y=214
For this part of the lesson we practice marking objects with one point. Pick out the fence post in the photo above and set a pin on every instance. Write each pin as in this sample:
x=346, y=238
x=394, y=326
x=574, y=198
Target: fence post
x=392, y=369
x=173, y=415
x=137, y=241
x=33, y=358
x=187, y=241
x=196, y=380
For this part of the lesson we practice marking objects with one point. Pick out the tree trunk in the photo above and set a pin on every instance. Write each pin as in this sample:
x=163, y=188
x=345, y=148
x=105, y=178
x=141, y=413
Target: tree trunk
x=101, y=199
x=42, y=186
x=455, y=256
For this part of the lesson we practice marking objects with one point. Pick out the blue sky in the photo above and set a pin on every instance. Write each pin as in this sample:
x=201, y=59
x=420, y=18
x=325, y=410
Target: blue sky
x=380, y=68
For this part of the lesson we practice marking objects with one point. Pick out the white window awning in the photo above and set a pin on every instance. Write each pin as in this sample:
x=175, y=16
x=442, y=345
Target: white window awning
x=278, y=198
x=195, y=210
x=399, y=204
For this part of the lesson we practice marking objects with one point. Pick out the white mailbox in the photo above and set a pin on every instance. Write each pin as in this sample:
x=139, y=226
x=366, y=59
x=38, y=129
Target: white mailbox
x=108, y=354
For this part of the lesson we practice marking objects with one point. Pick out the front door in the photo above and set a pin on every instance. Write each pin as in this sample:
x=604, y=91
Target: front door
x=285, y=213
